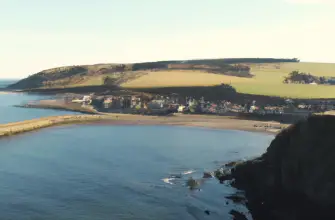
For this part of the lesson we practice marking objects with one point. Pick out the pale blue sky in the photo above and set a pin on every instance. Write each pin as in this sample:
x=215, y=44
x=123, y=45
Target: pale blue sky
x=40, y=34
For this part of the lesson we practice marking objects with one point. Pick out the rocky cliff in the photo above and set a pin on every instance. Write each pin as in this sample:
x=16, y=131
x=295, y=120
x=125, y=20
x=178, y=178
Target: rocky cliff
x=295, y=178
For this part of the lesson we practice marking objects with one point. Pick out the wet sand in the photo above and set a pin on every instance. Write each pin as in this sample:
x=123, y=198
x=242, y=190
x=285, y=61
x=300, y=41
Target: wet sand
x=213, y=122
x=4, y=92
x=206, y=121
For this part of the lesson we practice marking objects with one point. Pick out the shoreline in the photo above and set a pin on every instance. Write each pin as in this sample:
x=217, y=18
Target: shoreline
x=55, y=106
x=5, y=92
x=212, y=122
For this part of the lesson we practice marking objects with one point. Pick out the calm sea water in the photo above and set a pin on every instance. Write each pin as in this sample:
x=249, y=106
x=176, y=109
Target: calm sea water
x=6, y=82
x=8, y=113
x=101, y=172
x=115, y=172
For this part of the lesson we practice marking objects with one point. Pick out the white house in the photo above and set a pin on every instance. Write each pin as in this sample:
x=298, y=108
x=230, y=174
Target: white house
x=181, y=108
x=86, y=100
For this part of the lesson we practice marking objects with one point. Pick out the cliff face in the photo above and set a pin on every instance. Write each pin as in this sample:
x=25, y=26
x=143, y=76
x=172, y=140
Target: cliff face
x=295, y=178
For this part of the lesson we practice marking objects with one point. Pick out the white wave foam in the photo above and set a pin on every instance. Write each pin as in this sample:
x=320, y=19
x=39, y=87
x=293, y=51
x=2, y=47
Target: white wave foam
x=168, y=180
x=188, y=172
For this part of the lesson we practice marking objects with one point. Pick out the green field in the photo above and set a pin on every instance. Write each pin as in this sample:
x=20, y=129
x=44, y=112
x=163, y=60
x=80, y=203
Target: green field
x=268, y=80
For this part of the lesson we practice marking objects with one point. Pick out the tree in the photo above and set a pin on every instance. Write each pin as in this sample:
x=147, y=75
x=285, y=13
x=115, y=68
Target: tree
x=294, y=73
x=108, y=81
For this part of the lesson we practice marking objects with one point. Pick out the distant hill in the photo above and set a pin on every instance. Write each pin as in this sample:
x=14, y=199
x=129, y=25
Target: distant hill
x=4, y=83
x=93, y=74
x=250, y=76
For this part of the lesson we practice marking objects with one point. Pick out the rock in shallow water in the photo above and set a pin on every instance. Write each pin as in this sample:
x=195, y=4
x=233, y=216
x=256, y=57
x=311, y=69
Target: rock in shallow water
x=237, y=215
x=208, y=175
x=192, y=183
x=237, y=199
x=223, y=174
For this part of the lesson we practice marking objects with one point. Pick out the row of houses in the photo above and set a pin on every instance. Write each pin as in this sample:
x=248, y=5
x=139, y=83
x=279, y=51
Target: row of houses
x=175, y=103
x=171, y=103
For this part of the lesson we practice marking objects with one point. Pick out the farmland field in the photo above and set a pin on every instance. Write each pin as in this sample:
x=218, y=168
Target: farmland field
x=267, y=80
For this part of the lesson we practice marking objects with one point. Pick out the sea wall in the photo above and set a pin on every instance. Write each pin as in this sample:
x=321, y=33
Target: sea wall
x=54, y=104
x=35, y=124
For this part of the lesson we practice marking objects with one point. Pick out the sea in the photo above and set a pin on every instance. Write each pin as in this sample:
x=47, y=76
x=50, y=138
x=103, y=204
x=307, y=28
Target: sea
x=9, y=113
x=103, y=172
x=6, y=82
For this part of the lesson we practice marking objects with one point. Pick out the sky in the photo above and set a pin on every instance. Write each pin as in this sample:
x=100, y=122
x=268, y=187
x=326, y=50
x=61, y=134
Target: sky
x=41, y=34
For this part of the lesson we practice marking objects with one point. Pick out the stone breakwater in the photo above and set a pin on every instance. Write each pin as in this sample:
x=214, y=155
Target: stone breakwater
x=34, y=124
x=59, y=105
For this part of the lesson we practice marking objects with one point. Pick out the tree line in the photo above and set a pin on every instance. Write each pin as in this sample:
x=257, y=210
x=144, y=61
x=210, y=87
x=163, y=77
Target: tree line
x=305, y=78
x=221, y=63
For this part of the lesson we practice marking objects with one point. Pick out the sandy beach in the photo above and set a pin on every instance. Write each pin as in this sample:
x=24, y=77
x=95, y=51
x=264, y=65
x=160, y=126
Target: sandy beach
x=7, y=92
x=213, y=122
x=206, y=121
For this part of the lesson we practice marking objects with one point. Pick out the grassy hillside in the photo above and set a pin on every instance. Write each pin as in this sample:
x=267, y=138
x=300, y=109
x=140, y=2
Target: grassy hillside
x=68, y=76
x=268, y=75
x=92, y=74
x=175, y=78
x=267, y=80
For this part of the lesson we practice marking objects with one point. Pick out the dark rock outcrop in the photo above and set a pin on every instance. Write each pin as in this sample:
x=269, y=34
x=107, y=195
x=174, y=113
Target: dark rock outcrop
x=295, y=178
x=237, y=215
x=208, y=175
